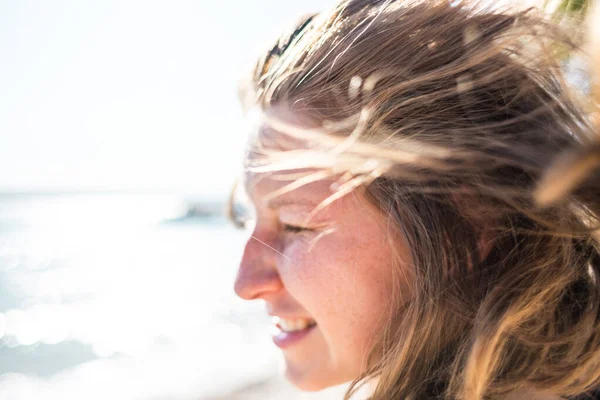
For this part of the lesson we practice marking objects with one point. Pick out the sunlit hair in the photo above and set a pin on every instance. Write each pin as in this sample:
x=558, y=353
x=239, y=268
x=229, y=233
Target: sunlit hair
x=449, y=113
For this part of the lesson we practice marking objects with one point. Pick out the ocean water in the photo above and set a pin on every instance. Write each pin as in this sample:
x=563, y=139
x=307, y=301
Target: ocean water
x=113, y=296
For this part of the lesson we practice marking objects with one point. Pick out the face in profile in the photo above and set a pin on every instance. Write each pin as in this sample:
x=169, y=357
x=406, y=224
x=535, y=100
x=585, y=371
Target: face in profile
x=326, y=281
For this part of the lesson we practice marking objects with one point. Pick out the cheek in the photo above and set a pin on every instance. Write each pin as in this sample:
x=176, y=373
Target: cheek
x=339, y=279
x=307, y=270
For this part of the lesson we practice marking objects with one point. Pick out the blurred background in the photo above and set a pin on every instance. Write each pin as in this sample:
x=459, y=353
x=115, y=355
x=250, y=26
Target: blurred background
x=120, y=137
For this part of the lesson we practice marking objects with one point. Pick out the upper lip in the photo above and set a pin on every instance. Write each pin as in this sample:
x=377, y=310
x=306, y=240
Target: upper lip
x=286, y=312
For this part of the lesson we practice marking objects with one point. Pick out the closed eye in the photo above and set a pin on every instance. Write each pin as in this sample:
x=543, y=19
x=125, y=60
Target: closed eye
x=295, y=228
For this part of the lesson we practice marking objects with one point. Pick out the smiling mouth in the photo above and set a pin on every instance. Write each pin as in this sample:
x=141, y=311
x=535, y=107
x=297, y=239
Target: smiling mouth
x=293, y=325
x=289, y=332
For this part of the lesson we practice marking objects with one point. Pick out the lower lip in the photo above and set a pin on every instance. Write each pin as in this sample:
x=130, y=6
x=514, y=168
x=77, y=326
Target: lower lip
x=283, y=340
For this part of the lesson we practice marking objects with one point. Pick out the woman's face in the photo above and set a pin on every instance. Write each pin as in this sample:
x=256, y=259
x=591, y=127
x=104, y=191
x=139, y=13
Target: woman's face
x=326, y=282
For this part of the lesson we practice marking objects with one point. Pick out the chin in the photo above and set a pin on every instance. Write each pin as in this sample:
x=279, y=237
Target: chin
x=311, y=379
x=306, y=385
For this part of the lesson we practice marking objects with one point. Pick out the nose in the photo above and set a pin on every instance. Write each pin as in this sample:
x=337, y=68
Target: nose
x=257, y=275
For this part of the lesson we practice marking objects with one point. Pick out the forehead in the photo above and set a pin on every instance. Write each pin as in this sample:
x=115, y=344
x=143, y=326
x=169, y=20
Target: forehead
x=273, y=187
x=275, y=190
x=263, y=136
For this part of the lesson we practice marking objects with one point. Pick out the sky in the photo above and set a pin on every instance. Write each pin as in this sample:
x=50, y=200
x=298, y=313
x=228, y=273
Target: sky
x=128, y=94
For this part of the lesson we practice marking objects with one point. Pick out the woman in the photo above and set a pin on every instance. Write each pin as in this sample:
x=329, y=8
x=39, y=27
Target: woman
x=397, y=240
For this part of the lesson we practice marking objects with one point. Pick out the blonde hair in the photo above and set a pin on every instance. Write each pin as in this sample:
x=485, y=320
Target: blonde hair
x=449, y=114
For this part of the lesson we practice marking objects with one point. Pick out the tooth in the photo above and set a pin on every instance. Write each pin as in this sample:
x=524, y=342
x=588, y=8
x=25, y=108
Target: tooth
x=291, y=325
x=286, y=325
x=302, y=324
x=274, y=330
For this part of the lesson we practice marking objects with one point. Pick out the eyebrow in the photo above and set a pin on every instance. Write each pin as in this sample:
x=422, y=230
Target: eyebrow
x=279, y=202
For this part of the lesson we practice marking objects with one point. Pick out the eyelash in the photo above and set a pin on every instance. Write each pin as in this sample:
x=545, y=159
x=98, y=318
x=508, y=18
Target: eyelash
x=295, y=229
